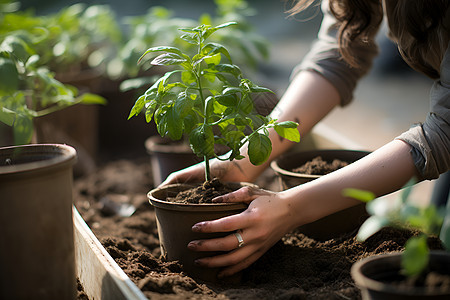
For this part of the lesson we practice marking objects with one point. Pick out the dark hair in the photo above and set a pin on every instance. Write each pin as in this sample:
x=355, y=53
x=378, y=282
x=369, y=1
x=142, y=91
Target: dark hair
x=414, y=26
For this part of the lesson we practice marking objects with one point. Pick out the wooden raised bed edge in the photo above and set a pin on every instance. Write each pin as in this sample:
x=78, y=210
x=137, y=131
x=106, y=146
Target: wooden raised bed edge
x=97, y=271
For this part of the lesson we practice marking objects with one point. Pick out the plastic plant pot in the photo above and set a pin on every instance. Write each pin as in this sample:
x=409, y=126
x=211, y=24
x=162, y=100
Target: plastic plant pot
x=175, y=220
x=37, y=256
x=337, y=224
x=376, y=277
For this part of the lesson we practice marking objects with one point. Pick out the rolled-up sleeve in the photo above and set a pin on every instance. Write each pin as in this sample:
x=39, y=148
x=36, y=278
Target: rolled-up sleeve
x=430, y=140
x=325, y=59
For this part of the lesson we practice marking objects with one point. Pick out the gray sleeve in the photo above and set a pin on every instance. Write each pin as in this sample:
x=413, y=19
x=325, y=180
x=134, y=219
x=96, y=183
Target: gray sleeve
x=430, y=141
x=324, y=58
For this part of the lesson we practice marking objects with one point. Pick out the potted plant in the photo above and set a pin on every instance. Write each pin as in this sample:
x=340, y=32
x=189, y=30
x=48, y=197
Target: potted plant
x=415, y=273
x=208, y=100
x=75, y=45
x=29, y=91
x=160, y=27
x=300, y=167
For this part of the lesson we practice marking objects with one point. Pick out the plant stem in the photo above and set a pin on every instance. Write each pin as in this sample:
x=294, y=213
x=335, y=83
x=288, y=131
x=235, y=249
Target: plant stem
x=207, y=169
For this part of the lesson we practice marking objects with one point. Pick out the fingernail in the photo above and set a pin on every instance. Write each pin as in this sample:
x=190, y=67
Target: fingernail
x=198, y=262
x=197, y=227
x=217, y=200
x=192, y=245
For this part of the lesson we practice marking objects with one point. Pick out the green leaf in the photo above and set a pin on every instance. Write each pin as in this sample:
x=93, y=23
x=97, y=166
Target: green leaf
x=137, y=107
x=246, y=104
x=201, y=140
x=190, y=38
x=17, y=47
x=259, y=89
x=9, y=77
x=259, y=148
x=170, y=124
x=231, y=69
x=229, y=100
x=150, y=110
x=372, y=225
x=161, y=48
x=213, y=59
x=183, y=105
x=88, y=98
x=174, y=125
x=231, y=90
x=234, y=138
x=23, y=129
x=168, y=59
x=211, y=48
x=7, y=116
x=288, y=130
x=188, y=77
x=416, y=256
x=361, y=195
x=227, y=24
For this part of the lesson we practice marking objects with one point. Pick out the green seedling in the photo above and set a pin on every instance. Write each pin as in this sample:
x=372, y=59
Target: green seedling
x=429, y=220
x=207, y=99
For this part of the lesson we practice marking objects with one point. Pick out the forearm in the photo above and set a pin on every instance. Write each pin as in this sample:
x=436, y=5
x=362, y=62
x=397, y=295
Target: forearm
x=308, y=99
x=381, y=172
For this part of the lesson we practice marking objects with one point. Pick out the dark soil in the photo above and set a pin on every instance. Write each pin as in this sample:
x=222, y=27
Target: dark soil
x=113, y=202
x=202, y=194
x=318, y=166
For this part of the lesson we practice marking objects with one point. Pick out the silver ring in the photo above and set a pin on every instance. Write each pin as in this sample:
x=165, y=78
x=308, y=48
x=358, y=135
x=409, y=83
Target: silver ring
x=240, y=239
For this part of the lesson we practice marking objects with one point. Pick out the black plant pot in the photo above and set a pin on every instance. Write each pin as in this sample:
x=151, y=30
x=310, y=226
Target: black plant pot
x=376, y=277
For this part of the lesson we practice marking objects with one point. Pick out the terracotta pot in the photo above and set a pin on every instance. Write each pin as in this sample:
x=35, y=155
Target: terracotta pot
x=168, y=156
x=375, y=276
x=334, y=225
x=36, y=230
x=175, y=220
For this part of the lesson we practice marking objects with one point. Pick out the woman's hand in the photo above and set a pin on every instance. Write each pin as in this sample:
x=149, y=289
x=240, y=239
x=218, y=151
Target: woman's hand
x=226, y=171
x=265, y=221
x=194, y=173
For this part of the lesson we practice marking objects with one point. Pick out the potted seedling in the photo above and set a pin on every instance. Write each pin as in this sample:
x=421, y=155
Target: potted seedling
x=415, y=273
x=207, y=99
x=160, y=27
x=300, y=167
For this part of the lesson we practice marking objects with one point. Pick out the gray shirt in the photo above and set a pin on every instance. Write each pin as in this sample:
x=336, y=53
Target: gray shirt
x=430, y=140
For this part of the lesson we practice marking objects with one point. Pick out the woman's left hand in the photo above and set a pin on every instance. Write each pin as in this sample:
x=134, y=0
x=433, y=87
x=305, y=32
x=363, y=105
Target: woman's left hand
x=265, y=221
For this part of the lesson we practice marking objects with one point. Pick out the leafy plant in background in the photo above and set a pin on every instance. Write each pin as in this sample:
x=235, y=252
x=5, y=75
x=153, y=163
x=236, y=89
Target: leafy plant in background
x=429, y=220
x=160, y=27
x=207, y=99
x=75, y=38
x=35, y=48
x=28, y=90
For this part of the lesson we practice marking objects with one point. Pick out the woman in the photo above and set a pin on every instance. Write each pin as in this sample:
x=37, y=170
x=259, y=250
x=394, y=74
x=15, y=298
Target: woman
x=325, y=79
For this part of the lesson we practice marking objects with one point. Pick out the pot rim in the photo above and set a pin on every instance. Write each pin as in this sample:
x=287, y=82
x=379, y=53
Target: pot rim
x=276, y=167
x=41, y=156
x=190, y=206
x=363, y=281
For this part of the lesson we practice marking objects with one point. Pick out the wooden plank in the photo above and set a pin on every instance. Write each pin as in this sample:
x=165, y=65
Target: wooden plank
x=97, y=271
